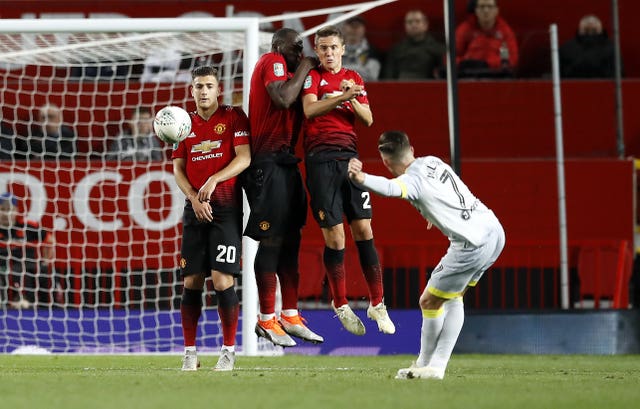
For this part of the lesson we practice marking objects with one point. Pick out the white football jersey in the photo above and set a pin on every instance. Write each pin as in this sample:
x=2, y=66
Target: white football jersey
x=433, y=188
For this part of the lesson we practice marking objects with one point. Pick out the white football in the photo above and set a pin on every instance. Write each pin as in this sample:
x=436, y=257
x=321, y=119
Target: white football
x=172, y=124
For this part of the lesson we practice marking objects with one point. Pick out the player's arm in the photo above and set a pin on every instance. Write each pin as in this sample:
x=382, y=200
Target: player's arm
x=314, y=107
x=362, y=111
x=201, y=209
x=376, y=184
x=239, y=163
x=285, y=93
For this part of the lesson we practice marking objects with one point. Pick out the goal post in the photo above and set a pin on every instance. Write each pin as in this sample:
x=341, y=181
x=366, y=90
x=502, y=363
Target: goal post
x=113, y=285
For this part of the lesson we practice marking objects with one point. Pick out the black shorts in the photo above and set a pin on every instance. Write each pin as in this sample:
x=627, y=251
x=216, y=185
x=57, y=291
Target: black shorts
x=276, y=196
x=331, y=192
x=215, y=245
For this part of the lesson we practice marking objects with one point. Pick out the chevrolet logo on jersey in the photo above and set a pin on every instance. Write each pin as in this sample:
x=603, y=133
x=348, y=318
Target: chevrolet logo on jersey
x=206, y=146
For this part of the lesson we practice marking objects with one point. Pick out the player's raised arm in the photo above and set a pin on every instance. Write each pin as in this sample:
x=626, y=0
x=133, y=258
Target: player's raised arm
x=314, y=107
x=283, y=88
x=285, y=93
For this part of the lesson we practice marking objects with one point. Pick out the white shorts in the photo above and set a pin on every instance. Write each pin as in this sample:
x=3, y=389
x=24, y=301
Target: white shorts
x=463, y=265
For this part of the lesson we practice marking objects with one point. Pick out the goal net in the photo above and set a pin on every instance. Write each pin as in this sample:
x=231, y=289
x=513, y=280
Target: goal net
x=112, y=208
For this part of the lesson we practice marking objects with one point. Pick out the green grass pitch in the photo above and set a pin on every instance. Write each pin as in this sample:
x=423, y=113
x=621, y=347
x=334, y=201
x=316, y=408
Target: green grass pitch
x=291, y=381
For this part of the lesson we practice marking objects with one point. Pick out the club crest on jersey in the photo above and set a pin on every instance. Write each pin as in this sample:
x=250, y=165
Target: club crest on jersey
x=206, y=146
x=278, y=69
x=307, y=82
x=183, y=263
x=321, y=214
x=264, y=225
x=220, y=128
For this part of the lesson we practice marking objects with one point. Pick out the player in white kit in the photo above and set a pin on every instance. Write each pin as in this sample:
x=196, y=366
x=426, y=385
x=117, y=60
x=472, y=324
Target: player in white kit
x=475, y=234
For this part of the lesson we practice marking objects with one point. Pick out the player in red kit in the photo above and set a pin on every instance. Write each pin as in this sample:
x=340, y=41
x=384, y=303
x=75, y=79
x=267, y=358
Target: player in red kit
x=274, y=186
x=333, y=99
x=206, y=165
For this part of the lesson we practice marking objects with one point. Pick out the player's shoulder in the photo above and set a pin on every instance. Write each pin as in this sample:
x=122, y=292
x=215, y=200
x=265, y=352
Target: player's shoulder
x=348, y=72
x=352, y=75
x=232, y=110
x=316, y=72
x=272, y=61
x=423, y=163
x=271, y=56
x=195, y=118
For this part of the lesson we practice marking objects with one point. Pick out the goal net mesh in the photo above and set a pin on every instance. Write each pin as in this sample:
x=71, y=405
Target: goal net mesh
x=112, y=283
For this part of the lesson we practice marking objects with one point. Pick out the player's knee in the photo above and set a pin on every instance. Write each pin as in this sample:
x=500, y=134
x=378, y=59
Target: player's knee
x=227, y=297
x=332, y=257
x=429, y=301
x=367, y=253
x=191, y=297
x=361, y=229
x=267, y=258
x=222, y=281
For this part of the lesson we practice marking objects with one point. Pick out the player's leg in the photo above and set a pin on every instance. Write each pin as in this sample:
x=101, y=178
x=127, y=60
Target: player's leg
x=476, y=262
x=269, y=196
x=333, y=259
x=228, y=311
x=472, y=264
x=266, y=266
x=190, y=311
x=452, y=325
x=224, y=254
x=192, y=270
x=358, y=212
x=324, y=182
x=288, y=273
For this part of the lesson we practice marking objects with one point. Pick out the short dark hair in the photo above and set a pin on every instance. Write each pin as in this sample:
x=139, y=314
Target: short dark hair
x=282, y=36
x=394, y=143
x=328, y=31
x=204, y=71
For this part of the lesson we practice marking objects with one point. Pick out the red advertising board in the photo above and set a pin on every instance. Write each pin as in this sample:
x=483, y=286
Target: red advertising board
x=126, y=216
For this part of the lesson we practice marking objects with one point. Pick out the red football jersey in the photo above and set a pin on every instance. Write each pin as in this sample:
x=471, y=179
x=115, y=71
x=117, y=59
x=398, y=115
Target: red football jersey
x=335, y=129
x=272, y=128
x=211, y=146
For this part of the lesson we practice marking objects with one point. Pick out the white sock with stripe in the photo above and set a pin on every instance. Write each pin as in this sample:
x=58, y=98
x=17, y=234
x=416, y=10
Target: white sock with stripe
x=432, y=322
x=453, y=320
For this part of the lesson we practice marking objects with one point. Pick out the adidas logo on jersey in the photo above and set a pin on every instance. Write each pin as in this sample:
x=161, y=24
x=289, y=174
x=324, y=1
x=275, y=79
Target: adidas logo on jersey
x=323, y=82
x=191, y=135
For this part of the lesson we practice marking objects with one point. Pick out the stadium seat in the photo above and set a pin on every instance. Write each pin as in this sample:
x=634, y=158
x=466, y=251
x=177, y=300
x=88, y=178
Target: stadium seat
x=604, y=273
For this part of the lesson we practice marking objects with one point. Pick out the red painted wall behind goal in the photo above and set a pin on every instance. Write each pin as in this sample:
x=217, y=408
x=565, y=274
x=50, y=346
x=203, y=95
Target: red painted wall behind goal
x=530, y=19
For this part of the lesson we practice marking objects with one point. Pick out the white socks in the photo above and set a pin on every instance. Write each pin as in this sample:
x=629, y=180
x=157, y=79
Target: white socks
x=440, y=331
x=453, y=320
x=266, y=317
x=432, y=322
x=289, y=313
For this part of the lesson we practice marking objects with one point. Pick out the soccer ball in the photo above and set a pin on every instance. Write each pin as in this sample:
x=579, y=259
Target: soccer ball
x=172, y=124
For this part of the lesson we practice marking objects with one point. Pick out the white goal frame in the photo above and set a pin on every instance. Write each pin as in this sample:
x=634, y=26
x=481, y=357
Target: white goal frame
x=248, y=25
